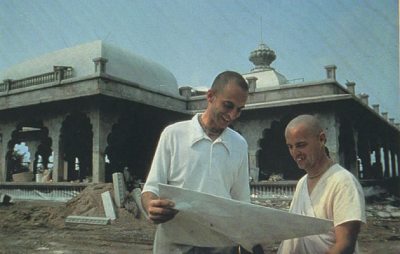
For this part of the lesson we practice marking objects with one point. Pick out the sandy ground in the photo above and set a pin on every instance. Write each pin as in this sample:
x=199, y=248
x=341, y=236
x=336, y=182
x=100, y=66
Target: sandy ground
x=39, y=227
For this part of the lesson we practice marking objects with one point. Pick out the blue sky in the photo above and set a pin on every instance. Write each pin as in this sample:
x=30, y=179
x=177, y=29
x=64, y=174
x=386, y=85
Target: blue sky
x=196, y=40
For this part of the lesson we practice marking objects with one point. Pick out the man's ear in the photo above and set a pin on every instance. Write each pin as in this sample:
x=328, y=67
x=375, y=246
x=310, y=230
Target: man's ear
x=210, y=96
x=322, y=138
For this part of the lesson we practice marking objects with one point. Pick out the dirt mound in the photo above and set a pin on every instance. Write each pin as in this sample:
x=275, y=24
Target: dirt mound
x=89, y=201
x=86, y=203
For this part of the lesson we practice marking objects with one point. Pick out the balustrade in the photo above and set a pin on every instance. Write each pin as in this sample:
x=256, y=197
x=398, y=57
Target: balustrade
x=273, y=190
x=59, y=73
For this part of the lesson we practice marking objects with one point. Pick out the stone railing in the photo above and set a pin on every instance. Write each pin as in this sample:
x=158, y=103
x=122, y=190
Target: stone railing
x=272, y=190
x=41, y=191
x=59, y=73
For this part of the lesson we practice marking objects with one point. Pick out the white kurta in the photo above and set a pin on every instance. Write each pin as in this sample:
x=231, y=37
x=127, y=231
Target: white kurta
x=337, y=196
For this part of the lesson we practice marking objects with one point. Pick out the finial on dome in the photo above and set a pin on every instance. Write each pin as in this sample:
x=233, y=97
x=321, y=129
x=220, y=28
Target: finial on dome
x=262, y=57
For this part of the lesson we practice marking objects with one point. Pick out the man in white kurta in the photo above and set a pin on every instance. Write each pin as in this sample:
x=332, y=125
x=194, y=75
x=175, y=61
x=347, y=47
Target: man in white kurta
x=337, y=196
x=327, y=191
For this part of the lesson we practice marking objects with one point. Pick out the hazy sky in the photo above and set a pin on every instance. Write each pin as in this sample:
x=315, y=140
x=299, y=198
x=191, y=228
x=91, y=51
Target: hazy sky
x=196, y=40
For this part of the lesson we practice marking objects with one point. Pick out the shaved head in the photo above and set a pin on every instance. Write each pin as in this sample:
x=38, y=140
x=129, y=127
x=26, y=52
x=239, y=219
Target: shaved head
x=308, y=122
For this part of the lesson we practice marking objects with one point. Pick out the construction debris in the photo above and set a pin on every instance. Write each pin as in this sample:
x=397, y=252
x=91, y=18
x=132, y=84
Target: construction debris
x=87, y=220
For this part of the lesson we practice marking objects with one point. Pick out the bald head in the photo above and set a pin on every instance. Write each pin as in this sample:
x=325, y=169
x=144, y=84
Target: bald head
x=307, y=122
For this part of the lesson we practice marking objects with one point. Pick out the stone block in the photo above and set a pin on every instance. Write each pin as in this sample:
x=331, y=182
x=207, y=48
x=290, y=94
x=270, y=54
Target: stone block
x=87, y=220
x=108, y=205
x=119, y=189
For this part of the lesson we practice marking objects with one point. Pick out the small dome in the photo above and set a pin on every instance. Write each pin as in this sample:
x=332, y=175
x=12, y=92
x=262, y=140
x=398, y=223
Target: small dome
x=262, y=57
x=263, y=74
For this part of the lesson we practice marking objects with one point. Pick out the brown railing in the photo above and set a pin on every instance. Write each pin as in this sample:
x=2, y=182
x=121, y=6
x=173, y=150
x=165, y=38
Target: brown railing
x=59, y=73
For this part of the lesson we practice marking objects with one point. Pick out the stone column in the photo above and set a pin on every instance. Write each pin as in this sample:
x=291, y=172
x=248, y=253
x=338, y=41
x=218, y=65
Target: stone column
x=7, y=84
x=398, y=162
x=54, y=127
x=376, y=107
x=100, y=64
x=253, y=167
x=331, y=71
x=364, y=98
x=101, y=128
x=6, y=131
x=3, y=168
x=186, y=91
x=59, y=72
x=252, y=81
x=393, y=162
x=351, y=87
x=378, y=160
x=332, y=130
x=386, y=160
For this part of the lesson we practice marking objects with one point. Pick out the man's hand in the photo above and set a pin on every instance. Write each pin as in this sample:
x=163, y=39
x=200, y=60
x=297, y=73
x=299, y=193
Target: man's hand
x=158, y=210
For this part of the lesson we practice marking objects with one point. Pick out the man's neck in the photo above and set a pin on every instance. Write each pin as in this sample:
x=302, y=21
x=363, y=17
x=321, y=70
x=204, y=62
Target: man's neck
x=211, y=132
x=320, y=170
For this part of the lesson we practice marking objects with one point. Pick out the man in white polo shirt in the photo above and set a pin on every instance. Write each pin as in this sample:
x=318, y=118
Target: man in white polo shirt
x=202, y=154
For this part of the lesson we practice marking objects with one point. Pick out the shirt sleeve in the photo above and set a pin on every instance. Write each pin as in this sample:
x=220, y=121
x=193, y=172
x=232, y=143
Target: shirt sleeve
x=160, y=166
x=349, y=204
x=241, y=187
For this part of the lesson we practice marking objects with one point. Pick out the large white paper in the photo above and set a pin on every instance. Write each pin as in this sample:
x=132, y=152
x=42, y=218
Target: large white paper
x=209, y=221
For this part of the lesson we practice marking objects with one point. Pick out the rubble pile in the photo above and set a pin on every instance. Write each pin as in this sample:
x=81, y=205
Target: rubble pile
x=381, y=204
x=89, y=202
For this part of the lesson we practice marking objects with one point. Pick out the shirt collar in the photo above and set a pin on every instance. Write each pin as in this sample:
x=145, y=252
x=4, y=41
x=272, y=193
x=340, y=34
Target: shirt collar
x=199, y=134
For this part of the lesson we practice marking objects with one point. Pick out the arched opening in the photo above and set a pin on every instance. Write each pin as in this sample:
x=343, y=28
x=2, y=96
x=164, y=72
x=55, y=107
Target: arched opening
x=29, y=138
x=76, y=141
x=274, y=157
x=131, y=144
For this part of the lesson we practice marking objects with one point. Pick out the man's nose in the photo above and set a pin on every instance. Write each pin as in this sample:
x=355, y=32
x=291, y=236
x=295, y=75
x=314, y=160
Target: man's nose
x=233, y=114
x=294, y=151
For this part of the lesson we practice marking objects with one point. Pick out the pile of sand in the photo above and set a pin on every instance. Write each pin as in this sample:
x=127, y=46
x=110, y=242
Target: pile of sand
x=86, y=203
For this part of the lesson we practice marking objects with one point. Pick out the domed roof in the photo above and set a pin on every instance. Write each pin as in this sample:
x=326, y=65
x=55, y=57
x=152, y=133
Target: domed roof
x=121, y=63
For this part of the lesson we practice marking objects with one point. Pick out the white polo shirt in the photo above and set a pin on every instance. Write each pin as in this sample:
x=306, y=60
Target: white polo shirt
x=186, y=157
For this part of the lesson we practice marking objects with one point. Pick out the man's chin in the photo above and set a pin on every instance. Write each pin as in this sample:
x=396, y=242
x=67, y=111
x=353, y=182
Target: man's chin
x=300, y=166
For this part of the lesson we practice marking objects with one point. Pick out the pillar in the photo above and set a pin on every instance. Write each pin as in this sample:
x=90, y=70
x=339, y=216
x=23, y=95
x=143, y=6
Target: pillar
x=3, y=169
x=364, y=98
x=393, y=162
x=5, y=135
x=331, y=72
x=54, y=127
x=385, y=115
x=186, y=91
x=100, y=64
x=376, y=107
x=351, y=87
x=7, y=84
x=378, y=159
x=252, y=81
x=386, y=160
x=59, y=72
x=101, y=128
